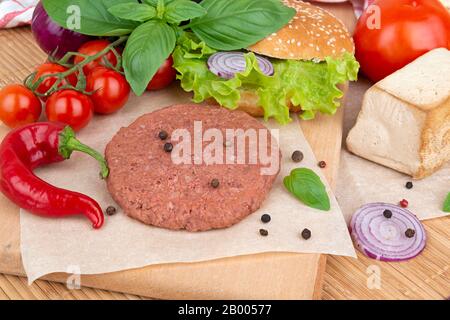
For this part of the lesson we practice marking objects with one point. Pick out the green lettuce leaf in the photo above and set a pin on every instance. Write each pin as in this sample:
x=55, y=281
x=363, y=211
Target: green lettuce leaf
x=311, y=85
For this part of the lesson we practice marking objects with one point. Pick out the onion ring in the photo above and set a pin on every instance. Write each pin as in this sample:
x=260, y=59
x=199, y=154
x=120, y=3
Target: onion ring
x=227, y=64
x=386, y=239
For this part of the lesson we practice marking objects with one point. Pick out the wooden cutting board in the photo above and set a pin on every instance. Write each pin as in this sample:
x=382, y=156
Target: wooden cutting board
x=261, y=276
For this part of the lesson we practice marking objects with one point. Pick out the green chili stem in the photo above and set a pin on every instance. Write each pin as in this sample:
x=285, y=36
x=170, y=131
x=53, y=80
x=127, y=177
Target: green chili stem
x=76, y=145
x=68, y=143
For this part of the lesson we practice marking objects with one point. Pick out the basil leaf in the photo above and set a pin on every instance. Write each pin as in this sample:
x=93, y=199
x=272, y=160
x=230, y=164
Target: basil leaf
x=306, y=186
x=133, y=11
x=447, y=204
x=183, y=10
x=155, y=2
x=146, y=50
x=233, y=25
x=93, y=17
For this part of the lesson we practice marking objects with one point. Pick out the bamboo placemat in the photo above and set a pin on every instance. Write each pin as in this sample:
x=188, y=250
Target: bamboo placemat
x=425, y=277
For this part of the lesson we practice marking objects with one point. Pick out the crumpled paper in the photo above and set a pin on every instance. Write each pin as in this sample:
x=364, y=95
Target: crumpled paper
x=70, y=245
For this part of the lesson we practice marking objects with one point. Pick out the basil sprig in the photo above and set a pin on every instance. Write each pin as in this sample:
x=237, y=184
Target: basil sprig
x=306, y=186
x=155, y=25
x=447, y=203
x=233, y=25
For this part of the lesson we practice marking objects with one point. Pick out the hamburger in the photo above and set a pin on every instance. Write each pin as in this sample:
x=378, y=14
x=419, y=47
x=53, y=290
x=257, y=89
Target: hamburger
x=299, y=68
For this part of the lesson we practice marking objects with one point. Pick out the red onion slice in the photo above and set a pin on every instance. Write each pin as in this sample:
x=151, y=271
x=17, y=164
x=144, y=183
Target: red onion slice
x=384, y=238
x=227, y=64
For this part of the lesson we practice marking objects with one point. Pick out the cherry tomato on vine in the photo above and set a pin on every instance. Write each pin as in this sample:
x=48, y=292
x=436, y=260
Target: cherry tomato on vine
x=165, y=75
x=92, y=48
x=407, y=30
x=18, y=106
x=70, y=107
x=52, y=68
x=110, y=90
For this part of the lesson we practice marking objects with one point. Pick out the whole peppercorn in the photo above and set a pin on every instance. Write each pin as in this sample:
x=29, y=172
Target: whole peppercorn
x=163, y=135
x=297, y=156
x=266, y=218
x=409, y=233
x=215, y=183
x=387, y=214
x=404, y=203
x=306, y=234
x=322, y=164
x=110, y=211
x=168, y=147
x=409, y=185
x=263, y=232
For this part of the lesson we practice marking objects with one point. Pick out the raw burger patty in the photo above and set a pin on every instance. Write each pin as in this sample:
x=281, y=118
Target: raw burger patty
x=150, y=188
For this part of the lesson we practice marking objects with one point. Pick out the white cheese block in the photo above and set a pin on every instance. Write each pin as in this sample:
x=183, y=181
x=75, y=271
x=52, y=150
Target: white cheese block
x=404, y=122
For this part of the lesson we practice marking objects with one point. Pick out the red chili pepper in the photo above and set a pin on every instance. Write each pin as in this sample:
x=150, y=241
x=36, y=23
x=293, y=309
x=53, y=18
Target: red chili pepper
x=38, y=144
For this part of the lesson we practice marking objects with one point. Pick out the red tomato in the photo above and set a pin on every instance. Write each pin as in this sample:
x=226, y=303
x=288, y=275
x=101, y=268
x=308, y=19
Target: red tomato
x=165, y=75
x=91, y=48
x=18, y=106
x=52, y=68
x=408, y=29
x=111, y=90
x=70, y=107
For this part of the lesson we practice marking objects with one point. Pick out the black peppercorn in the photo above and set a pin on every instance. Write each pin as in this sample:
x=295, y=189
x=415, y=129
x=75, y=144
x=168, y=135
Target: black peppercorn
x=263, y=232
x=409, y=185
x=265, y=218
x=168, y=147
x=322, y=164
x=110, y=211
x=409, y=233
x=297, y=156
x=163, y=135
x=387, y=214
x=306, y=234
x=215, y=183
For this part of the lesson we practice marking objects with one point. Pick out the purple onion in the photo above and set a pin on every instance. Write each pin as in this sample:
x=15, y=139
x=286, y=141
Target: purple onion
x=227, y=64
x=384, y=238
x=52, y=38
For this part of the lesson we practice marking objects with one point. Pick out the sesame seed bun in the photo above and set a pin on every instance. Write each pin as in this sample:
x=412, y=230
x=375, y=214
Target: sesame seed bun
x=313, y=33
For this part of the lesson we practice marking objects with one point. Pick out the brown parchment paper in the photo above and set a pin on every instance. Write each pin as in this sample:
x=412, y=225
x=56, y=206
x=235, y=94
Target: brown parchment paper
x=361, y=181
x=70, y=245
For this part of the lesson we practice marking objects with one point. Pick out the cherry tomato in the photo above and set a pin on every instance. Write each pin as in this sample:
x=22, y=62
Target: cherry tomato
x=18, y=106
x=70, y=107
x=52, y=68
x=111, y=90
x=407, y=29
x=91, y=48
x=165, y=75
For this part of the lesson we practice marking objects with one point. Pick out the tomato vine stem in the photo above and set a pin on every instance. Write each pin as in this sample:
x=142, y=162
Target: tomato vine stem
x=33, y=84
